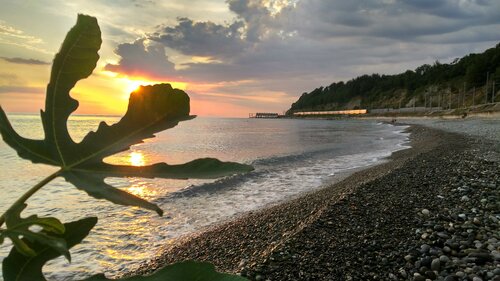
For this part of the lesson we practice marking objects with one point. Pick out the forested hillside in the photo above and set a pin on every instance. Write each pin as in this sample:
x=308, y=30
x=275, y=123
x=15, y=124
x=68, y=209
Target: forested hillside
x=459, y=83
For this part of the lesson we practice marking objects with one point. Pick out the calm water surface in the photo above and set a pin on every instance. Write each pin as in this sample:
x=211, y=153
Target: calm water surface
x=290, y=157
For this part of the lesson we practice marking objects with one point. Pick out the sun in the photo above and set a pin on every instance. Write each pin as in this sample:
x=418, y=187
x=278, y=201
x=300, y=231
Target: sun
x=136, y=159
x=132, y=85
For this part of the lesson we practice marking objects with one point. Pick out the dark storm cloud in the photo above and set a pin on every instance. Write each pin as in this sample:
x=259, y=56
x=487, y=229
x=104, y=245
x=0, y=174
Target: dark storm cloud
x=25, y=61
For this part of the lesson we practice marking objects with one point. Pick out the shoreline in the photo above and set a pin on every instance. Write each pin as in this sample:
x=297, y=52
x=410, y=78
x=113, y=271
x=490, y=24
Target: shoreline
x=276, y=243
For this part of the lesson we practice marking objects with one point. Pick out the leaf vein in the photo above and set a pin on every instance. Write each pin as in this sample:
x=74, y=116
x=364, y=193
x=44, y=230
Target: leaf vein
x=56, y=141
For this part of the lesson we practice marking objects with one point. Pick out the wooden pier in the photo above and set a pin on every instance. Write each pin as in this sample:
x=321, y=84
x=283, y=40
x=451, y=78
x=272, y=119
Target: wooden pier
x=263, y=115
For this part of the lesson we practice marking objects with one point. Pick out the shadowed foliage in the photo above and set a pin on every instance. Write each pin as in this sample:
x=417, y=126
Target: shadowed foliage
x=182, y=271
x=17, y=266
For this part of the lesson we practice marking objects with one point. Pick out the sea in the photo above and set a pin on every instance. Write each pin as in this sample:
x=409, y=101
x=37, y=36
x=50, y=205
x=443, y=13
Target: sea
x=290, y=157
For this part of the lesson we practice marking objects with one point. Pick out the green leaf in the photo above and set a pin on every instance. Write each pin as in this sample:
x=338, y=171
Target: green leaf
x=18, y=227
x=182, y=271
x=76, y=60
x=34, y=150
x=95, y=186
x=151, y=109
x=204, y=168
x=91, y=180
x=17, y=266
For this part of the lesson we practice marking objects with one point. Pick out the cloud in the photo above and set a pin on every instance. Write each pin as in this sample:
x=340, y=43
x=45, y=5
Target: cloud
x=9, y=79
x=293, y=46
x=394, y=19
x=205, y=39
x=10, y=31
x=21, y=89
x=25, y=61
x=141, y=59
x=256, y=15
x=10, y=35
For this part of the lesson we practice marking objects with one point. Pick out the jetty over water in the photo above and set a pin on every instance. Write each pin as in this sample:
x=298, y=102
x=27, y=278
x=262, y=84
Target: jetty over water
x=263, y=115
x=335, y=112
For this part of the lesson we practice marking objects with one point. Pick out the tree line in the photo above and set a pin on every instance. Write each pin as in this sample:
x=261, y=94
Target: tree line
x=468, y=73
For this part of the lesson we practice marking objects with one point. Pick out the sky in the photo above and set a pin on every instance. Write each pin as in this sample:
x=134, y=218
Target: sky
x=234, y=57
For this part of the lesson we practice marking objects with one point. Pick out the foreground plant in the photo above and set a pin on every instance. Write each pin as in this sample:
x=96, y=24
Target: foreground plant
x=151, y=109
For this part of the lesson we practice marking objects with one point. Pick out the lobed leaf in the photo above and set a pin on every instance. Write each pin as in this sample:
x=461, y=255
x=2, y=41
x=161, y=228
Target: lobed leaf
x=203, y=168
x=18, y=228
x=76, y=60
x=34, y=150
x=182, y=271
x=17, y=266
x=95, y=186
x=151, y=109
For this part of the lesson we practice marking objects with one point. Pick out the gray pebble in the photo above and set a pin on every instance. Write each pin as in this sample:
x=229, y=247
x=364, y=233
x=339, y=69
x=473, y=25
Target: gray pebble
x=424, y=248
x=435, y=264
x=444, y=259
x=403, y=273
x=418, y=277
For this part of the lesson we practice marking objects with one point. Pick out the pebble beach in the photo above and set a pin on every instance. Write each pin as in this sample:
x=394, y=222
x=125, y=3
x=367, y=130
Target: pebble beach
x=430, y=213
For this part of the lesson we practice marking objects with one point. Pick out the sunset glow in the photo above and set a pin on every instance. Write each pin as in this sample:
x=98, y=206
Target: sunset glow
x=130, y=85
x=245, y=140
x=133, y=86
x=231, y=57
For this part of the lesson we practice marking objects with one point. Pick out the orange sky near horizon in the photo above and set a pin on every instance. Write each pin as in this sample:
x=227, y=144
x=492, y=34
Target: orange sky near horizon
x=233, y=57
x=103, y=93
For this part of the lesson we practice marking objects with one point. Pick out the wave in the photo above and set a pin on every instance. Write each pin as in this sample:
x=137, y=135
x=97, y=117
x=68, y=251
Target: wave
x=309, y=169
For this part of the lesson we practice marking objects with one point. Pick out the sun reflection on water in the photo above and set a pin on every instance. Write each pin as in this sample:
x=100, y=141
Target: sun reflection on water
x=142, y=190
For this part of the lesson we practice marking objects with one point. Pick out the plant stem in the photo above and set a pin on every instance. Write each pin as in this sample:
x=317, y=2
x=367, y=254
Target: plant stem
x=30, y=192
